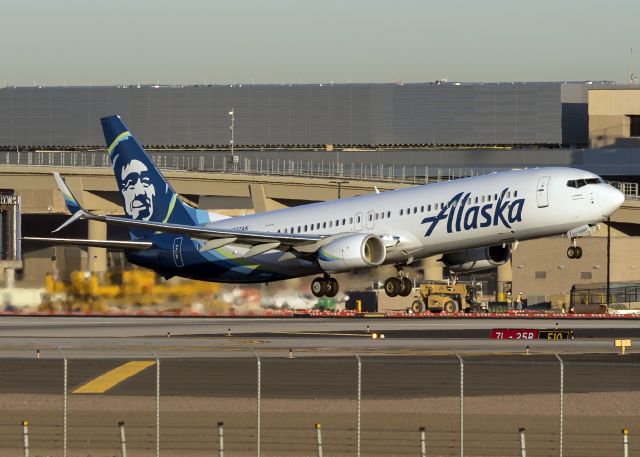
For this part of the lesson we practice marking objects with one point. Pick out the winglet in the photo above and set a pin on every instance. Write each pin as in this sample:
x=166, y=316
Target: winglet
x=72, y=203
x=80, y=214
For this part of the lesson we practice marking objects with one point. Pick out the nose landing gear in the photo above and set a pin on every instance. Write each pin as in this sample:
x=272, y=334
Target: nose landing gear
x=574, y=252
x=324, y=287
x=398, y=285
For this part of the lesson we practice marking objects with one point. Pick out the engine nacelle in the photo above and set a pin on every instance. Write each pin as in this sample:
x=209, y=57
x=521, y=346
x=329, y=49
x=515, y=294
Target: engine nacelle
x=471, y=260
x=352, y=252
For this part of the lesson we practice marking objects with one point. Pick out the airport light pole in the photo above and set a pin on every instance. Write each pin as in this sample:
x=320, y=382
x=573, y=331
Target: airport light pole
x=232, y=140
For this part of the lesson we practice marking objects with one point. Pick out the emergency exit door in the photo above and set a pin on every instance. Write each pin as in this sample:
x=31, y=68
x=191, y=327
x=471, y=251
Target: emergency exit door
x=542, y=195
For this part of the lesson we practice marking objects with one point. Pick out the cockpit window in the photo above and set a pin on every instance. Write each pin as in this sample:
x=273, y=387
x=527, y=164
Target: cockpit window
x=578, y=183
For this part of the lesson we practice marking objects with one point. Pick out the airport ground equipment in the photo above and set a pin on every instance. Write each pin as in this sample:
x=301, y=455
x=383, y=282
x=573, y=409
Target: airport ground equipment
x=88, y=292
x=448, y=297
x=433, y=296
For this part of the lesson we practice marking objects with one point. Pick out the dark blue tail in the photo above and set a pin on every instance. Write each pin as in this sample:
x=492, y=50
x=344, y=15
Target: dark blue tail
x=146, y=194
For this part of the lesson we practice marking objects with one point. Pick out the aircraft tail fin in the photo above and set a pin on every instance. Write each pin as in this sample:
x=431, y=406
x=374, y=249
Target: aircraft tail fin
x=145, y=193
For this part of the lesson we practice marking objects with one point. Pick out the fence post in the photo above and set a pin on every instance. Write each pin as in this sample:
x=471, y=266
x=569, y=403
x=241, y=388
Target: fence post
x=25, y=437
x=123, y=440
x=523, y=444
x=64, y=408
x=561, y=402
x=319, y=438
x=359, y=405
x=423, y=442
x=625, y=442
x=461, y=405
x=157, y=407
x=258, y=398
x=221, y=439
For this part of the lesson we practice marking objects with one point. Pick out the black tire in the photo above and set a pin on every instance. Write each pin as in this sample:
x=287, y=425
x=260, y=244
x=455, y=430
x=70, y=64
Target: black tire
x=406, y=286
x=332, y=288
x=319, y=287
x=450, y=307
x=578, y=252
x=571, y=252
x=392, y=287
x=417, y=306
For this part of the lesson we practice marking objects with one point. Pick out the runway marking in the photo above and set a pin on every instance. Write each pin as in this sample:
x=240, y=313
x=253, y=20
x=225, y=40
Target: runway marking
x=113, y=377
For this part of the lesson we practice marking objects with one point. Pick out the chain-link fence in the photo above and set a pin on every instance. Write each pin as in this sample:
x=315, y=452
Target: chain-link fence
x=441, y=405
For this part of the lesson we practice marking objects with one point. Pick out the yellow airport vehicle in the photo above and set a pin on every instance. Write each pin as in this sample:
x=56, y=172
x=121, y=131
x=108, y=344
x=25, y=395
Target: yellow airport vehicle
x=448, y=297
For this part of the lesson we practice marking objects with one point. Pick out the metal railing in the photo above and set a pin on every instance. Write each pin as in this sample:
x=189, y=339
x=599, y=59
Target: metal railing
x=222, y=162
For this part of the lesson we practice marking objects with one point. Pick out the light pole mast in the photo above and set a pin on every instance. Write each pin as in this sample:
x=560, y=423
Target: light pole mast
x=234, y=159
x=231, y=115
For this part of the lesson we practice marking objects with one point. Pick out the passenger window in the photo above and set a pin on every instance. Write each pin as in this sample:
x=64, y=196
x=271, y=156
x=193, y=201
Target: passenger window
x=388, y=214
x=324, y=225
x=401, y=212
x=376, y=216
x=350, y=220
x=337, y=222
x=344, y=221
x=488, y=198
x=330, y=224
x=483, y=199
x=422, y=209
x=306, y=227
x=515, y=193
x=476, y=200
x=298, y=229
x=495, y=197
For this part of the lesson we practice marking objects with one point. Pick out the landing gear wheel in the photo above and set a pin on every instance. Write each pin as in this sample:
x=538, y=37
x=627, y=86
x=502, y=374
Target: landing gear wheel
x=450, y=307
x=574, y=252
x=319, y=287
x=406, y=286
x=392, y=287
x=417, y=306
x=332, y=287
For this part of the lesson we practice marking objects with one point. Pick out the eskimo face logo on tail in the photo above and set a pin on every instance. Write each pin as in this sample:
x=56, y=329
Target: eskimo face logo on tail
x=138, y=192
x=462, y=215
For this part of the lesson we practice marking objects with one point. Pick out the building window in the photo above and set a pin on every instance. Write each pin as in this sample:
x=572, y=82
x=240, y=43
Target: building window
x=634, y=126
x=585, y=275
x=541, y=275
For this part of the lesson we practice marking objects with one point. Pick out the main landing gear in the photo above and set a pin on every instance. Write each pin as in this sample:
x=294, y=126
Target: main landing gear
x=398, y=285
x=574, y=252
x=324, y=287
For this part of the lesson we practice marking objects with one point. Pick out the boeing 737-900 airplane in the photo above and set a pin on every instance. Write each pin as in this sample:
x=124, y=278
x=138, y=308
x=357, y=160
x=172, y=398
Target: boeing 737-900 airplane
x=472, y=222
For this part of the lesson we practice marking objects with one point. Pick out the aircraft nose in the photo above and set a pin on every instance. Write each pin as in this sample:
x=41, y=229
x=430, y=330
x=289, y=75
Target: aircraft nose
x=611, y=200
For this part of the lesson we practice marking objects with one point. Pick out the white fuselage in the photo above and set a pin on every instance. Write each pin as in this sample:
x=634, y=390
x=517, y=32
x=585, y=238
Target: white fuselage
x=438, y=218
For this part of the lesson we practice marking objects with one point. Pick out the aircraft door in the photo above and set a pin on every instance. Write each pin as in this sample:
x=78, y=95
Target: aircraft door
x=358, y=222
x=542, y=193
x=370, y=219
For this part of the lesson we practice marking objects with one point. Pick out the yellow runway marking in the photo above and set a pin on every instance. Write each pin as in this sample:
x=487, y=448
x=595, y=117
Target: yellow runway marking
x=112, y=378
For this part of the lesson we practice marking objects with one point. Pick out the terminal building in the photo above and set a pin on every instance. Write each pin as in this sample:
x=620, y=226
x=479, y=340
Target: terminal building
x=595, y=126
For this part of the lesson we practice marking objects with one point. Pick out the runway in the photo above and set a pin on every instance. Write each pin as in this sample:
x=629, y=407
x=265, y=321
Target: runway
x=192, y=374
x=87, y=337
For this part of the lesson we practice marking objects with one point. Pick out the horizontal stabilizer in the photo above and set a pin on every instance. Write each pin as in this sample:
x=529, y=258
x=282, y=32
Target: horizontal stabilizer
x=109, y=244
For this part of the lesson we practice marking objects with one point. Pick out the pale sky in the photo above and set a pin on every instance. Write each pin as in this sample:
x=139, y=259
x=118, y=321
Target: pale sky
x=82, y=42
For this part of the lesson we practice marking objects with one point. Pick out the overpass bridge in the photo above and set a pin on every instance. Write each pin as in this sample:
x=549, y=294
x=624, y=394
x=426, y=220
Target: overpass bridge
x=237, y=190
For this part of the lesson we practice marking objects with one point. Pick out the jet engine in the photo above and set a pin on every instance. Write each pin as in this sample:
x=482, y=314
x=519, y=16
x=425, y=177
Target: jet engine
x=472, y=260
x=352, y=252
